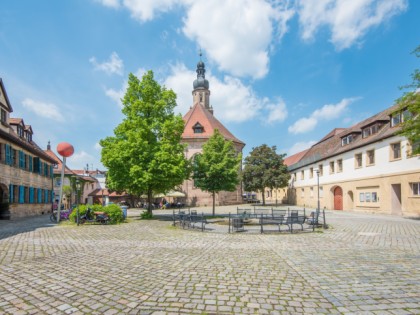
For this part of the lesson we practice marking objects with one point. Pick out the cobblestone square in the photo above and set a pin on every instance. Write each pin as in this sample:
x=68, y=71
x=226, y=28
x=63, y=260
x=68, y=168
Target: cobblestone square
x=363, y=264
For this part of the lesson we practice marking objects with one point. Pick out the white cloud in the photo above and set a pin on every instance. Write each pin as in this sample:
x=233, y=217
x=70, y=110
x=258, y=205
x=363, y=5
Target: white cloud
x=303, y=125
x=97, y=146
x=114, y=66
x=348, y=20
x=235, y=34
x=46, y=110
x=109, y=3
x=145, y=10
x=326, y=112
x=80, y=158
x=276, y=112
x=231, y=99
x=117, y=95
x=299, y=147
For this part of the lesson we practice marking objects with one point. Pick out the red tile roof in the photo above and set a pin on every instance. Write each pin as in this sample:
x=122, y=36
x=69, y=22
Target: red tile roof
x=331, y=145
x=206, y=119
x=294, y=158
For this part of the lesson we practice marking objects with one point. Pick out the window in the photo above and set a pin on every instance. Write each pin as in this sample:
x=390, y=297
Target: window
x=321, y=192
x=302, y=192
x=20, y=131
x=415, y=189
x=3, y=116
x=347, y=140
x=339, y=165
x=311, y=172
x=28, y=136
x=370, y=157
x=399, y=117
x=371, y=130
x=321, y=169
x=374, y=197
x=358, y=160
x=312, y=192
x=362, y=197
x=302, y=175
x=395, y=151
x=367, y=197
x=198, y=128
x=332, y=167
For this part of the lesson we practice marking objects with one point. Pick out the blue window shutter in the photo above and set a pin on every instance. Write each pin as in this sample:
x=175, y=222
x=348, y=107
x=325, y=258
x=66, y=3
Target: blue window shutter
x=30, y=164
x=31, y=195
x=21, y=194
x=40, y=167
x=51, y=171
x=39, y=195
x=10, y=193
x=8, y=155
x=52, y=195
x=45, y=196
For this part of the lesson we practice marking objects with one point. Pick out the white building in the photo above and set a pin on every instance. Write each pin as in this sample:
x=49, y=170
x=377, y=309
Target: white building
x=367, y=167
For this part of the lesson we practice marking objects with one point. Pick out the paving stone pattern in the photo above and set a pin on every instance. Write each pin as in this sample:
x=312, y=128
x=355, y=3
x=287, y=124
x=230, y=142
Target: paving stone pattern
x=363, y=264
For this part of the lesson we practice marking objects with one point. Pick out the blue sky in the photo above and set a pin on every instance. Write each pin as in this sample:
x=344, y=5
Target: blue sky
x=284, y=73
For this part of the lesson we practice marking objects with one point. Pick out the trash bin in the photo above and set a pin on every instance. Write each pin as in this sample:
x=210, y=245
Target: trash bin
x=124, y=211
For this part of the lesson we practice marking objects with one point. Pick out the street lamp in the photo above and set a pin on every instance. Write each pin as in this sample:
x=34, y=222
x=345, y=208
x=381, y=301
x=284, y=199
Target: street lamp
x=317, y=177
x=77, y=199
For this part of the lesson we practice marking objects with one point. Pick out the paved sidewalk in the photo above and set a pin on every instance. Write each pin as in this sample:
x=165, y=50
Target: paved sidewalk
x=364, y=264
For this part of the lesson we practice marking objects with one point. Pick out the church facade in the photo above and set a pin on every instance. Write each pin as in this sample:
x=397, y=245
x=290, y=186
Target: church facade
x=200, y=124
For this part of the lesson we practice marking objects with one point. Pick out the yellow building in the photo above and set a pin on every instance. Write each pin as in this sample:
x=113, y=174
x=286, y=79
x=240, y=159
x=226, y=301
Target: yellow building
x=25, y=170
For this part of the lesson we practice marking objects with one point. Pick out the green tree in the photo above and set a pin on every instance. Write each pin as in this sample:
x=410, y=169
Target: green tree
x=411, y=101
x=145, y=155
x=264, y=168
x=217, y=167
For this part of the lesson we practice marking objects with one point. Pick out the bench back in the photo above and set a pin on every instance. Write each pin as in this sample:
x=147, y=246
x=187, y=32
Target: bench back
x=278, y=212
x=264, y=211
x=243, y=211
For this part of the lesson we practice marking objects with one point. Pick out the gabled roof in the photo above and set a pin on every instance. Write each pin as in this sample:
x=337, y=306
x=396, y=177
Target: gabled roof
x=198, y=114
x=294, y=158
x=4, y=100
x=331, y=144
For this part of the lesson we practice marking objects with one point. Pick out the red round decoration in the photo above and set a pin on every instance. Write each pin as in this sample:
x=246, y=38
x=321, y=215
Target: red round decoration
x=65, y=149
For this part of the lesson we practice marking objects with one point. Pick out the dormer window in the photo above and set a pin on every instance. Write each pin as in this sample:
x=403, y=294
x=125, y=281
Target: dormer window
x=371, y=130
x=28, y=136
x=3, y=116
x=20, y=131
x=399, y=117
x=198, y=128
x=347, y=140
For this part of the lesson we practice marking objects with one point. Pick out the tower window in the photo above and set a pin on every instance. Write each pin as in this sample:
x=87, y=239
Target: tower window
x=198, y=128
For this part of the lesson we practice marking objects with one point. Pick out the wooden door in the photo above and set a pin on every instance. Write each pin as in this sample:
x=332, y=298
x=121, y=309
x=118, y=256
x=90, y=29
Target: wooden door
x=338, y=198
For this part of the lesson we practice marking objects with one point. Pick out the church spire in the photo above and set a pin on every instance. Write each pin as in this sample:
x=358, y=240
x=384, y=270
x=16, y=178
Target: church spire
x=201, y=92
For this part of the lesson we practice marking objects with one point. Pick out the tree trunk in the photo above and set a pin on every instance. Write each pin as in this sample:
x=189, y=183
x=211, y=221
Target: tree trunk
x=263, y=196
x=149, y=201
x=214, y=203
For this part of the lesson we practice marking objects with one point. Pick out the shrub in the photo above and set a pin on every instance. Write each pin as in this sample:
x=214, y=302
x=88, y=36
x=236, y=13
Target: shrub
x=82, y=211
x=146, y=215
x=114, y=212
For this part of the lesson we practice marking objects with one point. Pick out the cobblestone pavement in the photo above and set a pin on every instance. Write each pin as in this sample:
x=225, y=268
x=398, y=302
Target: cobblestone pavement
x=363, y=264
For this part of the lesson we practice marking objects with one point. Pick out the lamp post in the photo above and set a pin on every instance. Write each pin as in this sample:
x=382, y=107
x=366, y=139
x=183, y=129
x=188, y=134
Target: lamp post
x=77, y=199
x=317, y=177
x=102, y=190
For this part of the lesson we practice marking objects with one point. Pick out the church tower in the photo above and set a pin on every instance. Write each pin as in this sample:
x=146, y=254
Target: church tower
x=200, y=124
x=201, y=92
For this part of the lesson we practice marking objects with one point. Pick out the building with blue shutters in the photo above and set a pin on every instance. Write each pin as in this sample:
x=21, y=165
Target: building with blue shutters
x=26, y=171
